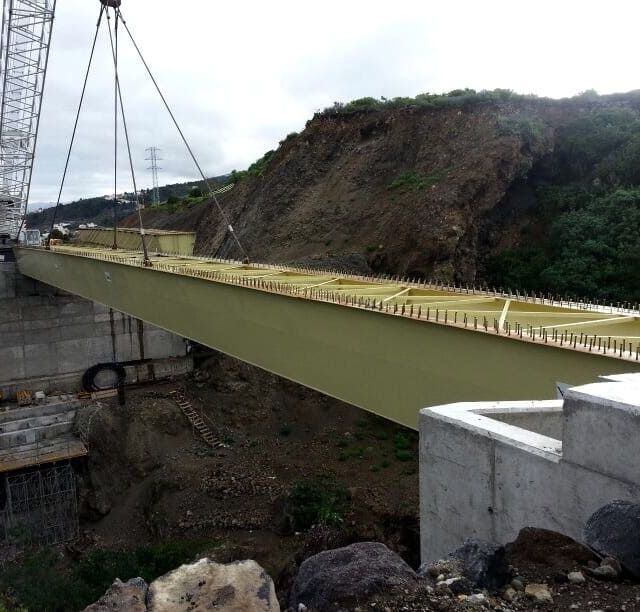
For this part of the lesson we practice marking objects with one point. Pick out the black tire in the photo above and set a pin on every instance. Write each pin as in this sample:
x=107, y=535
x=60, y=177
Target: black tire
x=89, y=377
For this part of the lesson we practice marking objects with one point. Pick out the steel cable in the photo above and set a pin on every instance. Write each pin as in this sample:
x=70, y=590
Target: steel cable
x=114, y=52
x=75, y=125
x=184, y=140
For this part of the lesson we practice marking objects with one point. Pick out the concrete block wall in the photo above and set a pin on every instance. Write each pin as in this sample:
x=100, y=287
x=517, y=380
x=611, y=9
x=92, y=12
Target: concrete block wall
x=48, y=338
x=483, y=475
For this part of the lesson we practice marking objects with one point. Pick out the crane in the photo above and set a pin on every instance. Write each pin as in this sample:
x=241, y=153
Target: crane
x=24, y=55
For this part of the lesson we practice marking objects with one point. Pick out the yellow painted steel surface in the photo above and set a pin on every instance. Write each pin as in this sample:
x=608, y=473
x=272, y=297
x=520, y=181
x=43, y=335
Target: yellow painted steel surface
x=158, y=241
x=388, y=347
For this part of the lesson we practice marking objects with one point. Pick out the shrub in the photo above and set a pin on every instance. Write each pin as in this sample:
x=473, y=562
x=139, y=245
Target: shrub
x=401, y=441
x=318, y=500
x=195, y=192
x=38, y=582
x=285, y=430
x=403, y=455
x=454, y=99
x=530, y=129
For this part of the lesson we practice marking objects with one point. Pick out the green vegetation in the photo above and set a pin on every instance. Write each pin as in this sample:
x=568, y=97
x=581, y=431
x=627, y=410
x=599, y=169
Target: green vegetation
x=590, y=212
x=40, y=582
x=317, y=500
x=402, y=444
x=592, y=250
x=531, y=129
x=285, y=430
x=257, y=168
x=355, y=452
x=411, y=181
x=403, y=455
x=457, y=98
x=288, y=137
x=401, y=441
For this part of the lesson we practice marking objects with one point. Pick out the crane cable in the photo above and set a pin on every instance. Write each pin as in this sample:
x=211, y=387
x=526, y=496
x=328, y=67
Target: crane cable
x=114, y=53
x=186, y=143
x=115, y=129
x=75, y=125
x=119, y=101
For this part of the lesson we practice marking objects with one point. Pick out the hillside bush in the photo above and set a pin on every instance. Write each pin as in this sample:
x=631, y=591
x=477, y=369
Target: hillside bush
x=41, y=583
x=317, y=500
x=591, y=250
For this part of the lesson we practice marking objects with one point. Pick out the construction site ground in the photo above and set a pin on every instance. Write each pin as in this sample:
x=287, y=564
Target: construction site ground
x=151, y=478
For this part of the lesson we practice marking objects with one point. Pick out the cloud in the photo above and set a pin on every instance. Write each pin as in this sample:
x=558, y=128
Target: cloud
x=242, y=75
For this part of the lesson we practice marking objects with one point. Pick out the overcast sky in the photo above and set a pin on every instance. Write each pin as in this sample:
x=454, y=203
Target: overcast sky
x=241, y=75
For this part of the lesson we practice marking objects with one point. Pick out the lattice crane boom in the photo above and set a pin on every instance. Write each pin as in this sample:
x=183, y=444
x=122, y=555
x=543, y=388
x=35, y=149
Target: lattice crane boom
x=24, y=54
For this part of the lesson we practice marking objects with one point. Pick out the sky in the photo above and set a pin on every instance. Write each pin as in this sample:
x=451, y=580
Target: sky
x=241, y=75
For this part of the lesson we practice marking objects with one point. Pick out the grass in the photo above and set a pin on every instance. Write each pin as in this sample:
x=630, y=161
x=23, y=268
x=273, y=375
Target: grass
x=40, y=582
x=318, y=500
x=412, y=181
x=401, y=441
x=404, y=455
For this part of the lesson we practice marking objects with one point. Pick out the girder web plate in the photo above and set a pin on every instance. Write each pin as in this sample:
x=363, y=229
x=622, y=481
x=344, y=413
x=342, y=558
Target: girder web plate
x=388, y=347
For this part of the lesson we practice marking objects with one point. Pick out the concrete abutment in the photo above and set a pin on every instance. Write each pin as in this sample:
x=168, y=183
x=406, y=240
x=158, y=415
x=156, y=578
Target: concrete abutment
x=488, y=469
x=49, y=338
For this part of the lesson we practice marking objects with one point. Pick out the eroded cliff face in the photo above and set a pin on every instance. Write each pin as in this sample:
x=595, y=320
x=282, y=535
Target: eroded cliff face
x=423, y=192
x=409, y=189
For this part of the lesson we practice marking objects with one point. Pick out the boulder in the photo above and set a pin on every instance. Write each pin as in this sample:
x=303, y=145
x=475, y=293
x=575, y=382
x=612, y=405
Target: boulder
x=242, y=586
x=540, y=593
x=348, y=575
x=548, y=548
x=614, y=531
x=122, y=597
x=483, y=564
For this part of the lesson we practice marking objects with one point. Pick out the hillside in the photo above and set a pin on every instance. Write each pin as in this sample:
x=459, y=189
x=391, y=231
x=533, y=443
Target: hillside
x=100, y=211
x=490, y=188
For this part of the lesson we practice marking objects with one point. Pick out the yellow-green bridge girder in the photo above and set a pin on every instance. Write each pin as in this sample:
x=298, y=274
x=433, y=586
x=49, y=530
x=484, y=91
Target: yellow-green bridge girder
x=389, y=347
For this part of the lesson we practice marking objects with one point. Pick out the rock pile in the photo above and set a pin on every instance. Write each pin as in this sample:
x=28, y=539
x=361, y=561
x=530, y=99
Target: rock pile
x=242, y=586
x=540, y=570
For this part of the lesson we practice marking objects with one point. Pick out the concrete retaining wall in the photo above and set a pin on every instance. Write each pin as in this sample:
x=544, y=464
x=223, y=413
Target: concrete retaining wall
x=48, y=339
x=483, y=475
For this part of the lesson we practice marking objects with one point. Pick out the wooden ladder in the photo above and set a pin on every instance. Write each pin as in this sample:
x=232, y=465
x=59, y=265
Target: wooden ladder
x=196, y=420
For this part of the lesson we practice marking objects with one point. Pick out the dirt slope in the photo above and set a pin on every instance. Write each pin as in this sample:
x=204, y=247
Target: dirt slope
x=407, y=188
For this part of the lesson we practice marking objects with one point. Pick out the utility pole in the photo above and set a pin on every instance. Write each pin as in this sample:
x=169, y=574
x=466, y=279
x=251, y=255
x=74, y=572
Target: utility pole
x=154, y=159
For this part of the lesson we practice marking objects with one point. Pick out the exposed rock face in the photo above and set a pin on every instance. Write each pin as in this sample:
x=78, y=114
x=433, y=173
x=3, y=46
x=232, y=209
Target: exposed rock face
x=614, y=531
x=483, y=564
x=409, y=188
x=242, y=586
x=347, y=575
x=130, y=596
